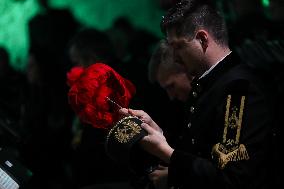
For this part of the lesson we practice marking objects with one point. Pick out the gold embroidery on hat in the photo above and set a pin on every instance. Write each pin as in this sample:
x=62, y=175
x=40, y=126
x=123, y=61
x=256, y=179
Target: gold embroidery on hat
x=114, y=128
x=127, y=132
x=230, y=149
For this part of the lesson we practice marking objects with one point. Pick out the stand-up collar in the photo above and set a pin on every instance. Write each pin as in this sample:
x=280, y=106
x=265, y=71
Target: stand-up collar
x=221, y=67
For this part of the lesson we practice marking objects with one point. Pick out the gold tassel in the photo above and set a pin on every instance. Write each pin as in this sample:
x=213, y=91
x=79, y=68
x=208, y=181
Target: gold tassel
x=236, y=155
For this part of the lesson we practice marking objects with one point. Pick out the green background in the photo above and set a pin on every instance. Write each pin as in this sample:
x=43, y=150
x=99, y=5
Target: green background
x=100, y=14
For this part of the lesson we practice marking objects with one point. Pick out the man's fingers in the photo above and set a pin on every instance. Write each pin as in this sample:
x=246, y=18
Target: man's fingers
x=161, y=167
x=138, y=113
x=148, y=128
x=124, y=111
x=152, y=175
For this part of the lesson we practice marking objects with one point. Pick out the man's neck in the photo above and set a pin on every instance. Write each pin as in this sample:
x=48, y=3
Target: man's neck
x=217, y=55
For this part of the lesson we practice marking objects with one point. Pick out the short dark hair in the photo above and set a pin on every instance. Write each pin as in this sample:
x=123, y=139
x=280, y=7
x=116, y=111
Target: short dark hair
x=92, y=45
x=163, y=55
x=188, y=16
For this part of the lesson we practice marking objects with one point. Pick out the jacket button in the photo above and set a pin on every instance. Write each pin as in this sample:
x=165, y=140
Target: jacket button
x=192, y=109
x=198, y=87
x=189, y=125
x=192, y=141
x=194, y=94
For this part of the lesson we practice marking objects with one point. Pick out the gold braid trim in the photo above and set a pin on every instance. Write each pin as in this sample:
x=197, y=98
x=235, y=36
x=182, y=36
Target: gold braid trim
x=240, y=119
x=238, y=154
x=227, y=117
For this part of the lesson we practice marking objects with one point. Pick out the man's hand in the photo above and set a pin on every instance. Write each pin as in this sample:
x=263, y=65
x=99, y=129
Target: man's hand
x=159, y=177
x=143, y=116
x=155, y=143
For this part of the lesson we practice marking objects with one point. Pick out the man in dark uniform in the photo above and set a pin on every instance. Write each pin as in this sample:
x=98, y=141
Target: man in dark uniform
x=227, y=141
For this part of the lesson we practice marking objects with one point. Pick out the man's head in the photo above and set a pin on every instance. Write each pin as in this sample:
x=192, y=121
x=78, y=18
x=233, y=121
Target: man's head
x=89, y=46
x=197, y=34
x=170, y=75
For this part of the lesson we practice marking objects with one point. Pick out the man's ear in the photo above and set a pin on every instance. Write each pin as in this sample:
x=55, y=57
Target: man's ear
x=202, y=37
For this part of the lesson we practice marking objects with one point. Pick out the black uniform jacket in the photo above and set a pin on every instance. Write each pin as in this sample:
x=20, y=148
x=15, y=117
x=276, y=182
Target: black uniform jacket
x=227, y=141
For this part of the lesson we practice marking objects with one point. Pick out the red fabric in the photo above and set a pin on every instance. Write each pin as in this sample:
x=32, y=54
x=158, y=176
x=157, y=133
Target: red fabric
x=89, y=88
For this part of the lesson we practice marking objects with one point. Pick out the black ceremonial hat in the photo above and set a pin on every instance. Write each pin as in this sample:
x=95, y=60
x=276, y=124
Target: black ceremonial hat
x=122, y=145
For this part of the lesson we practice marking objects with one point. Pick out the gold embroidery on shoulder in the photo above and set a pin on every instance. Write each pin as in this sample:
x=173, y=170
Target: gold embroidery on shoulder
x=230, y=149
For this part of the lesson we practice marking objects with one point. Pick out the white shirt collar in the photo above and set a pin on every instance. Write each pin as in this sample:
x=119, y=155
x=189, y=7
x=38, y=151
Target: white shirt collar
x=212, y=67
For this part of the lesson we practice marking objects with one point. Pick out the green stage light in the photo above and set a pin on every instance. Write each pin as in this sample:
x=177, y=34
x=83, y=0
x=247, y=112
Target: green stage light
x=100, y=14
x=265, y=3
x=14, y=16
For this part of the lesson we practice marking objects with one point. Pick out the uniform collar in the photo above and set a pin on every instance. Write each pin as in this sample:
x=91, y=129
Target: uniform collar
x=212, y=67
x=221, y=67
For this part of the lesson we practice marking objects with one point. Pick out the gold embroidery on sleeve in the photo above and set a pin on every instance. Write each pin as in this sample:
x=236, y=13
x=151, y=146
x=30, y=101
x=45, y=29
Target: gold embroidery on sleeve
x=230, y=149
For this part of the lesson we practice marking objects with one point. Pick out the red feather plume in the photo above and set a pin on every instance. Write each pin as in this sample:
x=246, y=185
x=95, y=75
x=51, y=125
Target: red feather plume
x=89, y=89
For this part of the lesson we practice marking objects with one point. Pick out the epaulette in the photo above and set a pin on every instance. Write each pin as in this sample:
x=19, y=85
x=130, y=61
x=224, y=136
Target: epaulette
x=230, y=148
